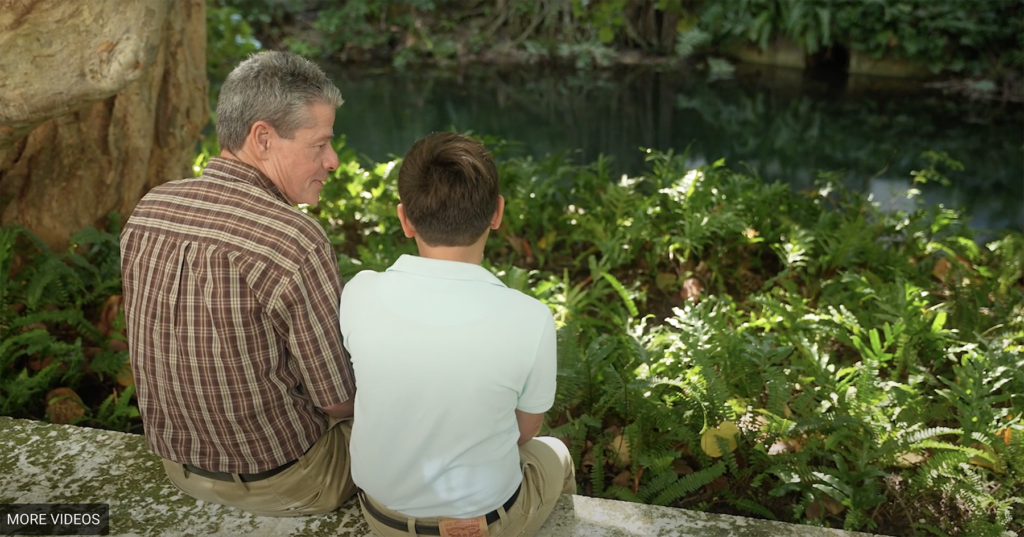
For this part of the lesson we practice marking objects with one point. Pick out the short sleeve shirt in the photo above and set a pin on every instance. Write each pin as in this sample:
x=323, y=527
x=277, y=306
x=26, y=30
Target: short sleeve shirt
x=444, y=354
x=231, y=301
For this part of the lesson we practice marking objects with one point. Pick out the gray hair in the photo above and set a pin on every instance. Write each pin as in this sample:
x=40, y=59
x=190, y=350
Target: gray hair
x=272, y=86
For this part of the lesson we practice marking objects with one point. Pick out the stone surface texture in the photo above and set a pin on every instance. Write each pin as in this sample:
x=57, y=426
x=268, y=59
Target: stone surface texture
x=70, y=53
x=100, y=101
x=46, y=463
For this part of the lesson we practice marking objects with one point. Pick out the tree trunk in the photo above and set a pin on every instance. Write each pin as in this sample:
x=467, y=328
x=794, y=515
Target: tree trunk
x=114, y=94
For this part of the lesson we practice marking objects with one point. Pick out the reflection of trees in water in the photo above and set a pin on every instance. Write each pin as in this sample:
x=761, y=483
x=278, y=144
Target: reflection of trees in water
x=782, y=132
x=597, y=113
x=864, y=136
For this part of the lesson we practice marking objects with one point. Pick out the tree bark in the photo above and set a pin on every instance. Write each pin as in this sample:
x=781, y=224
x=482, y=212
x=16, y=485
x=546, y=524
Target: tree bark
x=99, y=102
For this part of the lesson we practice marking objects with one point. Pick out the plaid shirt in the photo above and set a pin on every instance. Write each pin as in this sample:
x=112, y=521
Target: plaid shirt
x=231, y=303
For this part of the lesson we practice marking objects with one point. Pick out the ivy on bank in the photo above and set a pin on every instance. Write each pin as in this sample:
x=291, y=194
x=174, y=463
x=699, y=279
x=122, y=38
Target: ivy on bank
x=960, y=37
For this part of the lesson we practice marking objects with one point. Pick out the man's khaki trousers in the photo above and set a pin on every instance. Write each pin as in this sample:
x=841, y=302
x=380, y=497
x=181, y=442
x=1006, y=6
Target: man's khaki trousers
x=548, y=471
x=318, y=483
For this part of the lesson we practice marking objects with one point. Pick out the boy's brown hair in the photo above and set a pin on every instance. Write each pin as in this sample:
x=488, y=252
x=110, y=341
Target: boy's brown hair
x=448, y=185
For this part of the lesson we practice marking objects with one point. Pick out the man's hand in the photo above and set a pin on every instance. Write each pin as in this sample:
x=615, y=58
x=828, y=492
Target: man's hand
x=529, y=425
x=341, y=411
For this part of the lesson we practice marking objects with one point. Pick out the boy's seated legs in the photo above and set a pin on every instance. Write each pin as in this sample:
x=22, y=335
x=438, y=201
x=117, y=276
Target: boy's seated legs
x=548, y=472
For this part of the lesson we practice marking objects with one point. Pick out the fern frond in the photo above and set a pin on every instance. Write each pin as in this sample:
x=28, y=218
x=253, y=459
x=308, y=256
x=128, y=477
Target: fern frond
x=688, y=484
x=754, y=508
x=623, y=494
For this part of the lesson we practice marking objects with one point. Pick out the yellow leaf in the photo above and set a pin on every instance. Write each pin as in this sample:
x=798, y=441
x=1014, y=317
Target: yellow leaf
x=727, y=430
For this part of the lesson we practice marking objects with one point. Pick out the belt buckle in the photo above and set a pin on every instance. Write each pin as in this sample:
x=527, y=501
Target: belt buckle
x=464, y=527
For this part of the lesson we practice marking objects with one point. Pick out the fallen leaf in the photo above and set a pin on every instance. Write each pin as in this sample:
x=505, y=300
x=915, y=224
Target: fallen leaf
x=111, y=308
x=813, y=510
x=832, y=505
x=681, y=468
x=620, y=447
x=692, y=289
x=63, y=405
x=623, y=479
x=717, y=484
x=726, y=430
x=38, y=364
x=125, y=377
x=781, y=446
x=941, y=269
x=909, y=459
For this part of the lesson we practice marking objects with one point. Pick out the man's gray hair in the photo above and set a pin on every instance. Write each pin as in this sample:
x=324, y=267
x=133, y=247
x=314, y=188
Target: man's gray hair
x=272, y=86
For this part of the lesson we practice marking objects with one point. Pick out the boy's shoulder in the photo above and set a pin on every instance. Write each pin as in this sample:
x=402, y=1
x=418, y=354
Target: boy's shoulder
x=362, y=280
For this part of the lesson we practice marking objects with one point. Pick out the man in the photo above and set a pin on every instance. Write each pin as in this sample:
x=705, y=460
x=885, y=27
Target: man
x=455, y=370
x=231, y=299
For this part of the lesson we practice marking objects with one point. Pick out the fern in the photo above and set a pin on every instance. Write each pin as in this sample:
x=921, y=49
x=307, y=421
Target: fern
x=43, y=311
x=752, y=508
x=623, y=294
x=674, y=489
x=116, y=411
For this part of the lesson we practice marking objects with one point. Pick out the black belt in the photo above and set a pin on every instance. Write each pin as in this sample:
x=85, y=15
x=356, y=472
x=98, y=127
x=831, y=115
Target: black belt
x=429, y=529
x=245, y=478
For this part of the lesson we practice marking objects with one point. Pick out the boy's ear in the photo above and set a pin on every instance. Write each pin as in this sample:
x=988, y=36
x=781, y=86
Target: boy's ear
x=407, y=226
x=498, y=212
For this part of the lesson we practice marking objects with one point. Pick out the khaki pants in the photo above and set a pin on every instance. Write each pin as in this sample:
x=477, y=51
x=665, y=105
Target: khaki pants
x=548, y=471
x=318, y=483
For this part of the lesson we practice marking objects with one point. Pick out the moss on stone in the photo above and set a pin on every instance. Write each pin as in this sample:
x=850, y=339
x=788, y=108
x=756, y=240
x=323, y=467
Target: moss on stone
x=68, y=464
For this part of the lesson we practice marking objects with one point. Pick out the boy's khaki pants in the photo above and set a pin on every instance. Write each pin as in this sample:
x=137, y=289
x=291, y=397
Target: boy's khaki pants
x=548, y=471
x=319, y=482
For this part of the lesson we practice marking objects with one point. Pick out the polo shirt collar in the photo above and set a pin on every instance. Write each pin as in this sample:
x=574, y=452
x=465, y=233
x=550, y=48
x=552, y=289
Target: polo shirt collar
x=443, y=270
x=225, y=168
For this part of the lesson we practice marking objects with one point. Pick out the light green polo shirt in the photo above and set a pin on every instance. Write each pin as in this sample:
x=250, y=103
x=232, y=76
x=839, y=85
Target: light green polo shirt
x=443, y=353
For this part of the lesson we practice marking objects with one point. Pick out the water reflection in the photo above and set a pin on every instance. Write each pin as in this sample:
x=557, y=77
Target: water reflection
x=772, y=122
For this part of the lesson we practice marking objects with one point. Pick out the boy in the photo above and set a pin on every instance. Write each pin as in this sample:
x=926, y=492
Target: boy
x=454, y=370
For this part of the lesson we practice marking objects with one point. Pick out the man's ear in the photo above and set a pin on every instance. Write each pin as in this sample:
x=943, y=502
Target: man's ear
x=259, y=139
x=407, y=226
x=498, y=211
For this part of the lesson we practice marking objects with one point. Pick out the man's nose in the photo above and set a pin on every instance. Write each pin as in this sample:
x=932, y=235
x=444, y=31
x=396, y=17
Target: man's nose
x=332, y=161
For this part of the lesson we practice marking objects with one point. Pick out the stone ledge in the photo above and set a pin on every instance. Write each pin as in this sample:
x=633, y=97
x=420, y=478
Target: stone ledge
x=47, y=463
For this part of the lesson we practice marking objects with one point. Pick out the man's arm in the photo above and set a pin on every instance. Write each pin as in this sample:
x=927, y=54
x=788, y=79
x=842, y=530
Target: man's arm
x=343, y=411
x=529, y=425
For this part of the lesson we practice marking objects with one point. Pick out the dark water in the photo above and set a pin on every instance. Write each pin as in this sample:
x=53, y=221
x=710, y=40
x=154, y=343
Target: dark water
x=777, y=123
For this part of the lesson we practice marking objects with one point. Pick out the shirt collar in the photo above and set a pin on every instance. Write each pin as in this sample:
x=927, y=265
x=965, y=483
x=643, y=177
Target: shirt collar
x=443, y=270
x=231, y=169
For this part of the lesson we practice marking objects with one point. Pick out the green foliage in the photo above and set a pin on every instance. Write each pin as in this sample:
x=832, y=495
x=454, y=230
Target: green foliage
x=229, y=39
x=406, y=32
x=48, y=304
x=872, y=357
x=961, y=37
x=115, y=413
x=807, y=22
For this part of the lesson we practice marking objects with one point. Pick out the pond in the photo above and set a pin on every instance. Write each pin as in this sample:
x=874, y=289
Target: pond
x=778, y=123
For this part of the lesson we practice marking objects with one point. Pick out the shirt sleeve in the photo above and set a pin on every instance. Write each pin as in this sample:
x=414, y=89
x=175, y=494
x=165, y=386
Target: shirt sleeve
x=538, y=392
x=314, y=338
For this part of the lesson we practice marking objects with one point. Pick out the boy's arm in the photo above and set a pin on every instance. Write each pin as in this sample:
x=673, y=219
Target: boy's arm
x=538, y=393
x=529, y=425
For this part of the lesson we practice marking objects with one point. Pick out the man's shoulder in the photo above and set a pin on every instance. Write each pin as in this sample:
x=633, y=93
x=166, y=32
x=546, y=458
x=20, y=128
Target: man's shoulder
x=205, y=208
